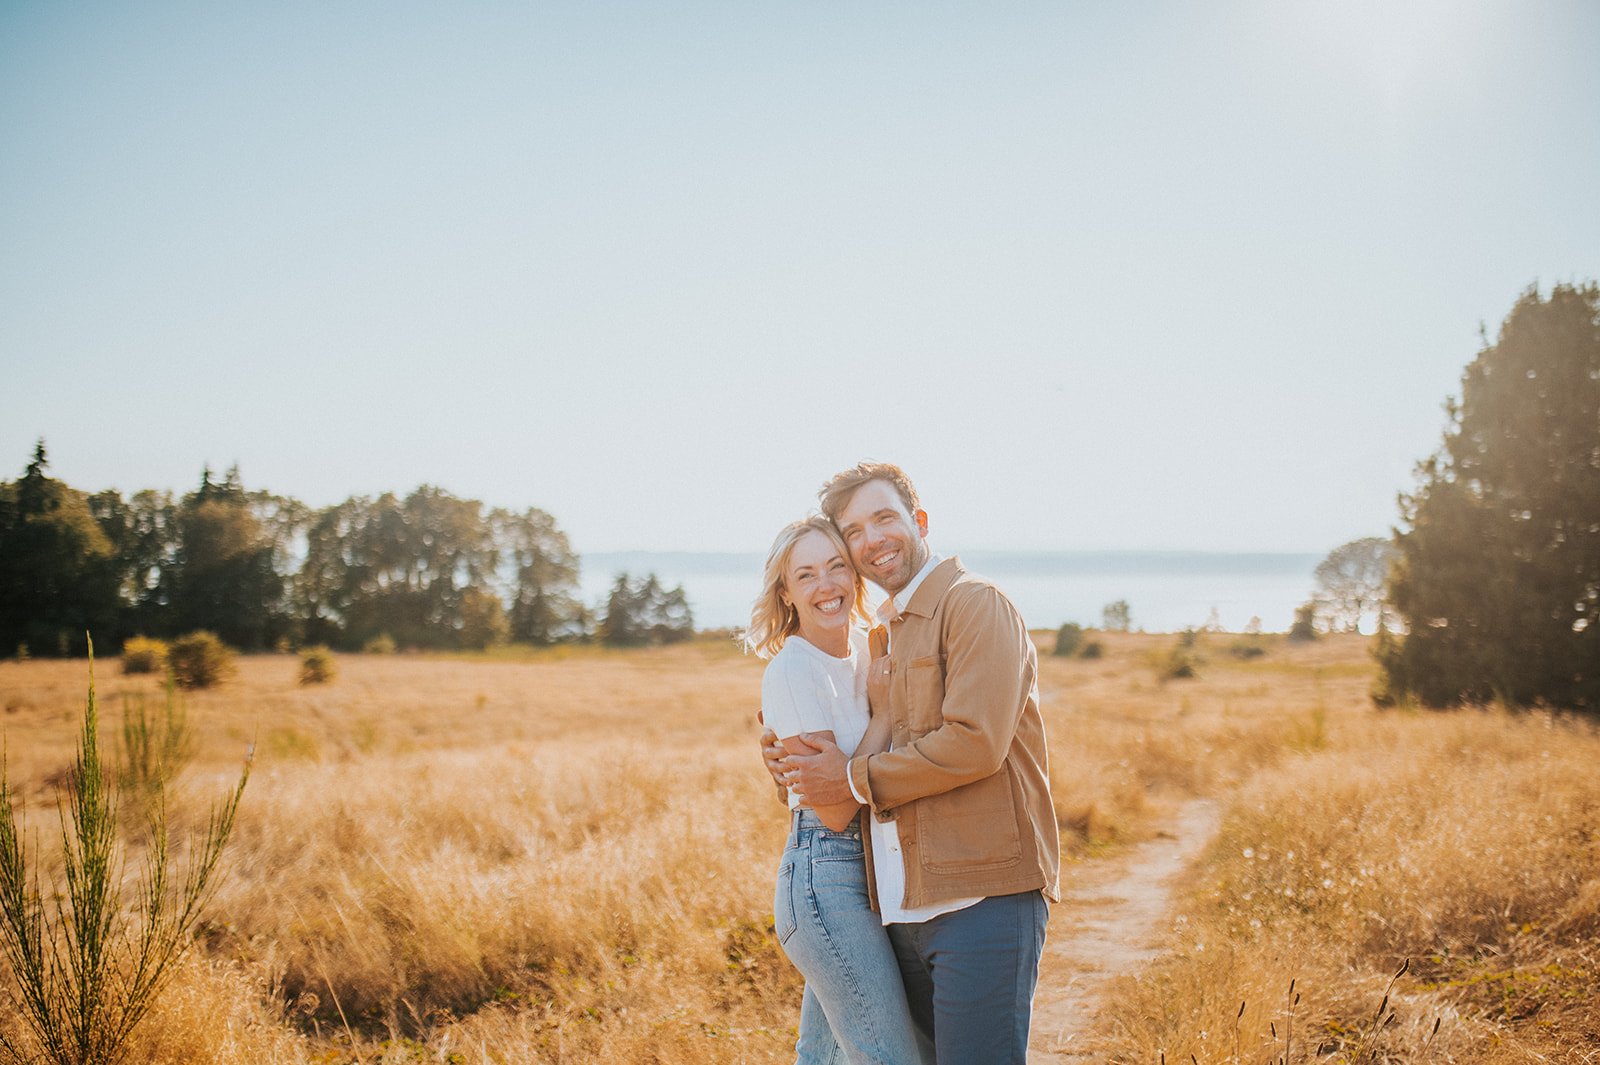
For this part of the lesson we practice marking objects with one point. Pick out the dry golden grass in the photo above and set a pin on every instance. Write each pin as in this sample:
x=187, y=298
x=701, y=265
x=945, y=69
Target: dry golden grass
x=567, y=856
x=1463, y=846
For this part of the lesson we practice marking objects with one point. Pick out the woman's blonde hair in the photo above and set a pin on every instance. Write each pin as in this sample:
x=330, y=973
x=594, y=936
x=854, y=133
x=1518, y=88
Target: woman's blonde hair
x=773, y=621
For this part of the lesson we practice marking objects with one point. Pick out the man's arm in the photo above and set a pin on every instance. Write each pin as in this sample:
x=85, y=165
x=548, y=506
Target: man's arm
x=818, y=769
x=836, y=815
x=989, y=674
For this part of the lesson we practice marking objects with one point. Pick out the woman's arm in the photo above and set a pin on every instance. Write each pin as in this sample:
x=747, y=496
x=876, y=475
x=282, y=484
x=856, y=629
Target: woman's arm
x=839, y=815
x=876, y=739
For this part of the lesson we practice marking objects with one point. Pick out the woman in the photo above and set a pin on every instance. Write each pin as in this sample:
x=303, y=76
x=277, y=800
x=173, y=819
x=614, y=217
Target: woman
x=804, y=622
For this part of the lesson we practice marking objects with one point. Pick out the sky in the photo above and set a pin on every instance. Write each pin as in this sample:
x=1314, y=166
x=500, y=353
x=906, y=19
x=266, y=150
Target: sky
x=1099, y=276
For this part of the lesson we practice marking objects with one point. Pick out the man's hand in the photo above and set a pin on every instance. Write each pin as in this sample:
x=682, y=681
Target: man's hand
x=821, y=778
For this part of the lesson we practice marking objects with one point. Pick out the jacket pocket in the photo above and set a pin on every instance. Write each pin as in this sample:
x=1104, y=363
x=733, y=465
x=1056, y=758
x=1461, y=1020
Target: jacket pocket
x=924, y=694
x=971, y=828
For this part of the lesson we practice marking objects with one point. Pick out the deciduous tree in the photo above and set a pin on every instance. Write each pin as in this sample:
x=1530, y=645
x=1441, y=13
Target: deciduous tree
x=540, y=572
x=1350, y=583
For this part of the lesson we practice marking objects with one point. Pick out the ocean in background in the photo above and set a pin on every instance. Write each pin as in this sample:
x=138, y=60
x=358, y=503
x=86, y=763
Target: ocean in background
x=1166, y=590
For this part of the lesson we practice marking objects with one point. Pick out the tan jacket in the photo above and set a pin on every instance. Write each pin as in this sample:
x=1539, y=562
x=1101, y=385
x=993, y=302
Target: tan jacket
x=968, y=775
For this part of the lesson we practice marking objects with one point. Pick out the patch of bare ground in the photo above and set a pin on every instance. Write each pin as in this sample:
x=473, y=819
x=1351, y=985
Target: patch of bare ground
x=1110, y=921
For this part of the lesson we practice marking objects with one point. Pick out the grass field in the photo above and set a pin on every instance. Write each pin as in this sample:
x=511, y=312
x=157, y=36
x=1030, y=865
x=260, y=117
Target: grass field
x=567, y=856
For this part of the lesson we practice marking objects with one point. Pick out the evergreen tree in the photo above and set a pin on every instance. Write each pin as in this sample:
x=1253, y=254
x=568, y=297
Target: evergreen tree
x=640, y=612
x=58, y=574
x=1498, y=578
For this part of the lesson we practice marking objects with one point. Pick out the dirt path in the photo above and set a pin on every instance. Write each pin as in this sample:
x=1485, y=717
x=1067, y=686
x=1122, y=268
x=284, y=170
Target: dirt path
x=1109, y=923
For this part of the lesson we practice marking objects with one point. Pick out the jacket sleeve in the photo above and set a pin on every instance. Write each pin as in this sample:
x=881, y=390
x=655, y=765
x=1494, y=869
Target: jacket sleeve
x=988, y=678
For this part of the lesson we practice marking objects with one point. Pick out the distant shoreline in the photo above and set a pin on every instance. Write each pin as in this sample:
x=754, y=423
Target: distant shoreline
x=1167, y=590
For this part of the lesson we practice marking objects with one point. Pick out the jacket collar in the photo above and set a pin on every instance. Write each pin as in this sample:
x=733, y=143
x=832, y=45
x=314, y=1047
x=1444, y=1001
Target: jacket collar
x=933, y=587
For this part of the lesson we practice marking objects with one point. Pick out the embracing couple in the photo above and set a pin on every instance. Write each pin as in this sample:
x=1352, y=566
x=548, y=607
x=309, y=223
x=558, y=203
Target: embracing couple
x=922, y=849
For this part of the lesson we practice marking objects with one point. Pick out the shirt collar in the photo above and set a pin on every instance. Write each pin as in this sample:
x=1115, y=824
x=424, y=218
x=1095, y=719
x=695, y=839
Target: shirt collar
x=896, y=604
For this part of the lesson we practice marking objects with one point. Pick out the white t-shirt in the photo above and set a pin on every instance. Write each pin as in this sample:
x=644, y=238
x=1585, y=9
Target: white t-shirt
x=805, y=689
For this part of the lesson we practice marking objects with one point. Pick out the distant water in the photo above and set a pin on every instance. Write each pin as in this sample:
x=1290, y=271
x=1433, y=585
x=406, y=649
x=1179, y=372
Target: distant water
x=1166, y=590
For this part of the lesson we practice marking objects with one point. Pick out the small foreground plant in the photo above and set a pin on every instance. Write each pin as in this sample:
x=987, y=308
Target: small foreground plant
x=199, y=660
x=143, y=655
x=316, y=666
x=87, y=966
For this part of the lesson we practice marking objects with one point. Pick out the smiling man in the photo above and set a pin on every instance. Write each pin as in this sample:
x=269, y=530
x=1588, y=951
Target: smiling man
x=965, y=849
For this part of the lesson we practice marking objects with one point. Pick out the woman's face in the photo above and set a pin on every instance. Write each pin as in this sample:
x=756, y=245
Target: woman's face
x=820, y=583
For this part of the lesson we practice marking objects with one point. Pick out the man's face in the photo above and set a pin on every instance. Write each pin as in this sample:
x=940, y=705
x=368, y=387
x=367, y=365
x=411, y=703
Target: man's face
x=887, y=543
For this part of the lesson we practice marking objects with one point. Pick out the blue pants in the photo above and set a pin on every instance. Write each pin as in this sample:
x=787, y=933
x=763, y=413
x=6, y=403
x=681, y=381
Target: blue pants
x=855, y=1004
x=969, y=978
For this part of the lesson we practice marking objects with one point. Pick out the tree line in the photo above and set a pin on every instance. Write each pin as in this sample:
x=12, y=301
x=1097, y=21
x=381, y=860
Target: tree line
x=424, y=570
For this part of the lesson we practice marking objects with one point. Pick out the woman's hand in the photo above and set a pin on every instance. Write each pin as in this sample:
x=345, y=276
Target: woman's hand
x=772, y=755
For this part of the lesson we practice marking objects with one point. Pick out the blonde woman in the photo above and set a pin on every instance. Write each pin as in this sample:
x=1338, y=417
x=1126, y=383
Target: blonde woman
x=806, y=623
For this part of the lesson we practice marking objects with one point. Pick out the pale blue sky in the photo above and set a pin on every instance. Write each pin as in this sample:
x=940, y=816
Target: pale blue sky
x=1099, y=276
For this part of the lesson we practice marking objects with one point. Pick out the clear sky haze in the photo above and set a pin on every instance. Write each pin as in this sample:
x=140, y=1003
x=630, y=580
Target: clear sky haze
x=1189, y=276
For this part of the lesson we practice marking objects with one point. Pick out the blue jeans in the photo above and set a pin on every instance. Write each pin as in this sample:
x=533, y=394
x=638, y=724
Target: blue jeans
x=969, y=977
x=855, y=1003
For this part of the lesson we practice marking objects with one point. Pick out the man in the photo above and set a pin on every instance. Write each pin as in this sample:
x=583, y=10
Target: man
x=965, y=849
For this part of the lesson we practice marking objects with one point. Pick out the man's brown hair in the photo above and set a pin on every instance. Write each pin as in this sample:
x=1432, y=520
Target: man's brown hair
x=841, y=486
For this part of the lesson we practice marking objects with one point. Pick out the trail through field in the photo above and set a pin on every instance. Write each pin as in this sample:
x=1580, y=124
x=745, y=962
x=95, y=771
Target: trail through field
x=1109, y=922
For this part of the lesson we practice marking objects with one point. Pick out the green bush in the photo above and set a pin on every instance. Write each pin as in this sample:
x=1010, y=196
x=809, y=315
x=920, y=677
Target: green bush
x=141, y=655
x=1068, y=639
x=381, y=644
x=199, y=660
x=1091, y=649
x=316, y=666
x=1246, y=648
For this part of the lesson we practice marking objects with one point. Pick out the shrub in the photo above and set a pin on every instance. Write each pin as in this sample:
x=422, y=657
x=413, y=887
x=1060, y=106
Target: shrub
x=1182, y=661
x=1069, y=638
x=1304, y=628
x=316, y=666
x=141, y=655
x=1179, y=665
x=1246, y=648
x=1091, y=649
x=199, y=660
x=381, y=644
